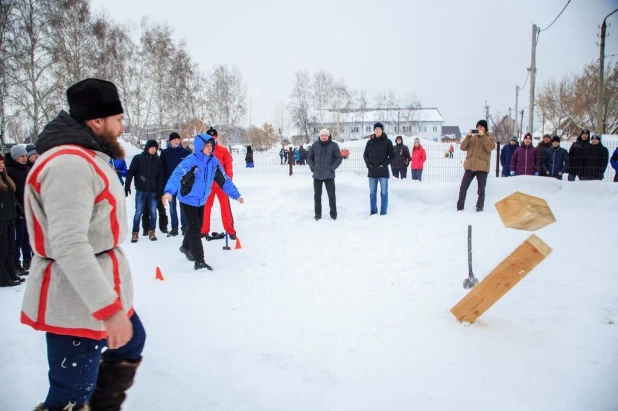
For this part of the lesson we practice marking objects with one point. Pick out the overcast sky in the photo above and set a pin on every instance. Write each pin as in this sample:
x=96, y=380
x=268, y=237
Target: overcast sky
x=453, y=54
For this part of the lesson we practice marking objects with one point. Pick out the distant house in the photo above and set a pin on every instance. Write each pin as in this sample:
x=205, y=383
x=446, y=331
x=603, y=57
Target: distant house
x=451, y=134
x=355, y=123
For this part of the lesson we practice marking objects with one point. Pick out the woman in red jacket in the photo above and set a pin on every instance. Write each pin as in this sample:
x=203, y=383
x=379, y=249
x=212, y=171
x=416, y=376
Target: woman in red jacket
x=418, y=159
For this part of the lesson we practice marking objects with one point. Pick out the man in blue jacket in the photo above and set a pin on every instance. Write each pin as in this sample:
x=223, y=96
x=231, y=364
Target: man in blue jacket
x=506, y=155
x=191, y=181
x=170, y=158
x=555, y=160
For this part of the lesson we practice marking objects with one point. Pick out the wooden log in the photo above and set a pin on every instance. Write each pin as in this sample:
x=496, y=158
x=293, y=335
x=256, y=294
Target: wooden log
x=504, y=277
x=524, y=212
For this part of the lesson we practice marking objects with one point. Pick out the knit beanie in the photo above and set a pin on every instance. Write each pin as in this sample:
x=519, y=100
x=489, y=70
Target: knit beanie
x=18, y=150
x=174, y=136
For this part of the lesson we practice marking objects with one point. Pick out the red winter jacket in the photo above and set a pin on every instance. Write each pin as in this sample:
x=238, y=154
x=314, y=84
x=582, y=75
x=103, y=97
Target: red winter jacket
x=225, y=158
x=418, y=157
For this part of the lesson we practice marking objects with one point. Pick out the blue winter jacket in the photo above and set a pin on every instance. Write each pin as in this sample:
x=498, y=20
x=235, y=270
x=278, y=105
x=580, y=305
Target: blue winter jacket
x=555, y=161
x=614, y=160
x=171, y=157
x=121, y=168
x=208, y=170
x=505, y=158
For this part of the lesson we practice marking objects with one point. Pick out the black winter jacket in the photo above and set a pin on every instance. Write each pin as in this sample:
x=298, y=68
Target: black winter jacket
x=8, y=205
x=148, y=172
x=249, y=155
x=579, y=156
x=402, y=156
x=598, y=160
x=170, y=158
x=323, y=159
x=18, y=173
x=379, y=153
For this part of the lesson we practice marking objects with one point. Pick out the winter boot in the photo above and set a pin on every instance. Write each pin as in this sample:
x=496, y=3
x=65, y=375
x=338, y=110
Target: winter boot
x=13, y=276
x=145, y=232
x=70, y=406
x=187, y=253
x=113, y=380
x=151, y=235
x=183, y=231
x=232, y=237
x=201, y=264
x=134, y=237
x=173, y=233
x=19, y=270
x=27, y=264
x=6, y=280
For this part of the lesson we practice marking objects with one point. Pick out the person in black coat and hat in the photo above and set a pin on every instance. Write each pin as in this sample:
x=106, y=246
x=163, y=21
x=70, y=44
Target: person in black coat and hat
x=379, y=153
x=323, y=159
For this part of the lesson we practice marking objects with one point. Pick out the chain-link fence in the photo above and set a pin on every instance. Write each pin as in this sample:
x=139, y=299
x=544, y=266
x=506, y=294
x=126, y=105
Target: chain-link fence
x=439, y=167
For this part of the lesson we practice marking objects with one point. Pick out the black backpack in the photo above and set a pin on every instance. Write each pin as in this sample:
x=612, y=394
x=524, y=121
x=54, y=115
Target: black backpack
x=187, y=181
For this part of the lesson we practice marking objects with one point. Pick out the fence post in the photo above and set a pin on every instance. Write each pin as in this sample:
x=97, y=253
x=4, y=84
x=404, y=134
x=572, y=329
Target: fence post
x=291, y=159
x=498, y=159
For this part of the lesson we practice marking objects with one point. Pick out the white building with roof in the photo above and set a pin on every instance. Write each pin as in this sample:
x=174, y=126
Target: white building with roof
x=355, y=124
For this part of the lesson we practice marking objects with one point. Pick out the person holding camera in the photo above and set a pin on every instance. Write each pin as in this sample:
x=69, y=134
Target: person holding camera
x=478, y=146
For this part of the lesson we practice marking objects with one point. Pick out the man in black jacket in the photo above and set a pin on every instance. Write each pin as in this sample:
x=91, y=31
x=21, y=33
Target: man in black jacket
x=323, y=159
x=170, y=158
x=379, y=153
x=402, y=159
x=148, y=172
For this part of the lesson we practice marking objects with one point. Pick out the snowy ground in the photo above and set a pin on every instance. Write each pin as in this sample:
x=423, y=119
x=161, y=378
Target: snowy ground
x=354, y=314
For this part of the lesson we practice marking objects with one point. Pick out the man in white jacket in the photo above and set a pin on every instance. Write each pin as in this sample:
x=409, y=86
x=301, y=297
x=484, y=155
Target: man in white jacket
x=80, y=290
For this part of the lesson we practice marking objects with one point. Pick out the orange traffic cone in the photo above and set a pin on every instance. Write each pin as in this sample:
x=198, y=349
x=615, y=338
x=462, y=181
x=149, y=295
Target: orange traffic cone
x=238, y=246
x=158, y=275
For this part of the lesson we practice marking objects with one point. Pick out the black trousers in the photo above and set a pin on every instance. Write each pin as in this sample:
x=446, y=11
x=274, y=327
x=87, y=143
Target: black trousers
x=7, y=250
x=192, y=240
x=481, y=178
x=400, y=172
x=162, y=216
x=317, y=196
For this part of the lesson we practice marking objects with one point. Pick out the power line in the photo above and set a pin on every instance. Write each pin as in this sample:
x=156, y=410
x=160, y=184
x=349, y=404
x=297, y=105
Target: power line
x=552, y=23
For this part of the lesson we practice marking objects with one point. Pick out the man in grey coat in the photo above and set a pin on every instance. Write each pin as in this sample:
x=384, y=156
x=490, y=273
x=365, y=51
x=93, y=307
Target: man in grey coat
x=324, y=158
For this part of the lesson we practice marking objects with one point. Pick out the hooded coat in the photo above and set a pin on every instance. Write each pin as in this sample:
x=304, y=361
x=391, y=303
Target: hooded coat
x=555, y=160
x=324, y=158
x=77, y=218
x=505, y=157
x=579, y=156
x=147, y=170
x=597, y=162
x=402, y=155
x=207, y=169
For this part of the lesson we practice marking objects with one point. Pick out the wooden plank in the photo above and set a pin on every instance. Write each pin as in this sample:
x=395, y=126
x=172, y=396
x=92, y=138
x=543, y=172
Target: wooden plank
x=503, y=278
x=524, y=212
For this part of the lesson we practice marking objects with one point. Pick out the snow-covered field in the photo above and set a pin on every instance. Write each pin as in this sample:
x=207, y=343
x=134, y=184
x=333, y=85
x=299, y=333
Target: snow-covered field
x=354, y=314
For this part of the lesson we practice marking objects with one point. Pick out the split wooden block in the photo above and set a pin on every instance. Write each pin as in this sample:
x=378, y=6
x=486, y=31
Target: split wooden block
x=504, y=277
x=524, y=212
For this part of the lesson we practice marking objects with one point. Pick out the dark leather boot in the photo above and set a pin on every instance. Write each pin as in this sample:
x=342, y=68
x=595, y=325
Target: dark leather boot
x=114, y=379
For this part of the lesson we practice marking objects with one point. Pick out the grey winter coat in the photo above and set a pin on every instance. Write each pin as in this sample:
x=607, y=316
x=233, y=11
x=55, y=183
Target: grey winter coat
x=323, y=159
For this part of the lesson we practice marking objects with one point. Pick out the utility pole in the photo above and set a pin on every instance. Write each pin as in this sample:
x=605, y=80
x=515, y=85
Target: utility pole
x=532, y=79
x=600, y=128
x=517, y=133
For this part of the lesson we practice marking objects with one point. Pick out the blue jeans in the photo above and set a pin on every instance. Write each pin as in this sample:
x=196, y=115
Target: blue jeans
x=74, y=364
x=174, y=215
x=22, y=241
x=373, y=189
x=143, y=200
x=417, y=174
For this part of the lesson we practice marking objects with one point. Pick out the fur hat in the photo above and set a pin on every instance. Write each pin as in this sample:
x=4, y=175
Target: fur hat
x=93, y=98
x=324, y=132
x=482, y=123
x=378, y=124
x=17, y=151
x=174, y=136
